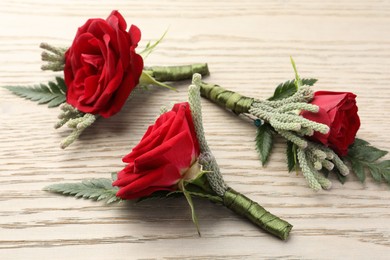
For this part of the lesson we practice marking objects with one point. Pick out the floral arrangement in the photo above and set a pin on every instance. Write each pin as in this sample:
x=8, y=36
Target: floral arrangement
x=172, y=159
x=101, y=71
x=319, y=127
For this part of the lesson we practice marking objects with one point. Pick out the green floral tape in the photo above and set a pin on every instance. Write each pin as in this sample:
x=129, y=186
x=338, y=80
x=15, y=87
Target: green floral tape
x=226, y=98
x=244, y=206
x=176, y=73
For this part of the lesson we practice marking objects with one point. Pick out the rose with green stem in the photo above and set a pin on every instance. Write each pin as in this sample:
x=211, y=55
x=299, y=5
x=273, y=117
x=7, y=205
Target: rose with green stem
x=319, y=127
x=102, y=70
x=173, y=158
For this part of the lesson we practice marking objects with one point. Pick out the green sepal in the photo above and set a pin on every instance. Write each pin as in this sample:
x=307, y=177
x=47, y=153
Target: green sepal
x=364, y=157
x=147, y=79
x=291, y=153
x=149, y=48
x=93, y=189
x=53, y=93
x=288, y=88
x=264, y=142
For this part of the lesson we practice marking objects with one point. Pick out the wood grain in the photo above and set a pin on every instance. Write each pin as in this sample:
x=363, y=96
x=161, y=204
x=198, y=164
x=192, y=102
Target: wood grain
x=247, y=44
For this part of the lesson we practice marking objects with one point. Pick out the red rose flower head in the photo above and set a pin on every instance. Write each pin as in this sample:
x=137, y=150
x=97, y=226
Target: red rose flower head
x=166, y=154
x=101, y=66
x=338, y=110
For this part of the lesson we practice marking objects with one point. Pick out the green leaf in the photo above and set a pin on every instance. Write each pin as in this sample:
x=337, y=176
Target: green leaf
x=150, y=47
x=264, y=142
x=212, y=198
x=161, y=194
x=359, y=142
x=297, y=82
x=366, y=152
x=191, y=204
x=284, y=90
x=358, y=169
x=201, y=192
x=53, y=93
x=309, y=82
x=364, y=157
x=146, y=79
x=94, y=189
x=340, y=177
x=291, y=156
x=288, y=88
x=375, y=172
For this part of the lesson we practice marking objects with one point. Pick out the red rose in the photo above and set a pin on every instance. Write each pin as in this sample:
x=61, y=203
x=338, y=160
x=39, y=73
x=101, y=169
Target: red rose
x=164, y=156
x=338, y=110
x=101, y=66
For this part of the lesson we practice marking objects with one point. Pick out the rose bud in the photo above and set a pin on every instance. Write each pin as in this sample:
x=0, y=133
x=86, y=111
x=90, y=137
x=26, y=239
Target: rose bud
x=337, y=110
x=166, y=154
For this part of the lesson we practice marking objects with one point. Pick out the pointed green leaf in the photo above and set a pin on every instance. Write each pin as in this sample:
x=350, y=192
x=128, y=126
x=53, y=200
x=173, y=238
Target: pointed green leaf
x=264, y=142
x=146, y=79
x=53, y=94
x=191, y=204
x=56, y=101
x=309, y=82
x=375, y=172
x=61, y=84
x=284, y=90
x=161, y=195
x=340, y=177
x=364, y=156
x=385, y=164
x=291, y=156
x=386, y=175
x=366, y=152
x=297, y=81
x=150, y=47
x=288, y=88
x=94, y=189
x=358, y=169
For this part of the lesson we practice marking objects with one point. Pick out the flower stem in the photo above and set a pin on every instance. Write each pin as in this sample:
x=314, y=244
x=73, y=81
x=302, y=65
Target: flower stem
x=246, y=207
x=226, y=98
x=176, y=73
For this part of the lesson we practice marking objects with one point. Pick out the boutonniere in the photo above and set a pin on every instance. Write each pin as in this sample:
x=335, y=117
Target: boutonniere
x=102, y=69
x=319, y=128
x=173, y=159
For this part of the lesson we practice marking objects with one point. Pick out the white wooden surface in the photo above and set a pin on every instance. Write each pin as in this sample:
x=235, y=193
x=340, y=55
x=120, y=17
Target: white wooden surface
x=346, y=44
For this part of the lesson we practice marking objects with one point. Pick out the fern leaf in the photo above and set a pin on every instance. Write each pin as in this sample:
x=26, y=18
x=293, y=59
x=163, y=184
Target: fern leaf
x=94, y=189
x=52, y=94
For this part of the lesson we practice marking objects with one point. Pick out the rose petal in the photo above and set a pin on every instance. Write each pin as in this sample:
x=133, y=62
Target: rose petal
x=177, y=151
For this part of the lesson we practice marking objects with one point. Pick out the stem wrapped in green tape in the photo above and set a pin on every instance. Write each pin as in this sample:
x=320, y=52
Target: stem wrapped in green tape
x=244, y=206
x=226, y=98
x=176, y=73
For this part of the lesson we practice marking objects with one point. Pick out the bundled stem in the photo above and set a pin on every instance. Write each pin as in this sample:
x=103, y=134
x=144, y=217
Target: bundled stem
x=233, y=200
x=226, y=98
x=177, y=73
x=246, y=207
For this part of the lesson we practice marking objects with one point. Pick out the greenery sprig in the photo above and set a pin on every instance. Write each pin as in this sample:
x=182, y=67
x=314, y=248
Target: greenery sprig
x=52, y=94
x=364, y=157
x=93, y=189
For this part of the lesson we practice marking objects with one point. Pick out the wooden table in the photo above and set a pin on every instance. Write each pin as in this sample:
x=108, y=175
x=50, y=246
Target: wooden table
x=247, y=44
